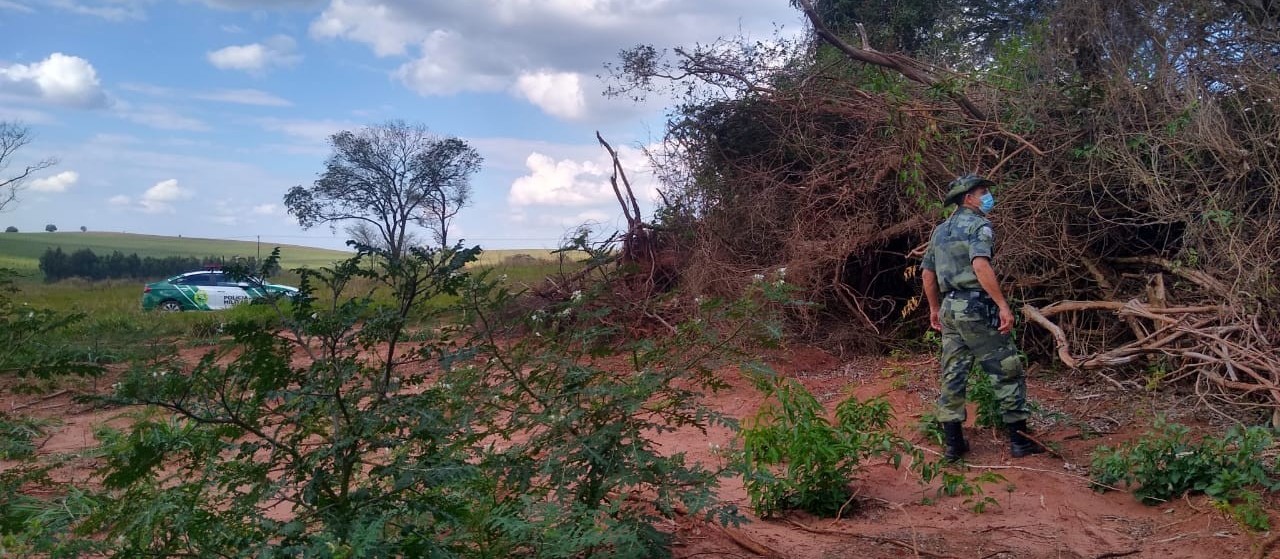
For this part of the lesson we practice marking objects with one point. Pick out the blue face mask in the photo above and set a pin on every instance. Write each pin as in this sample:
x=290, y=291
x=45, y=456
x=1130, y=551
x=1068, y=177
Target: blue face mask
x=986, y=203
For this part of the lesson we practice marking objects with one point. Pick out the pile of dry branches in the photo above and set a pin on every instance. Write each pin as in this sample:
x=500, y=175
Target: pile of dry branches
x=1136, y=145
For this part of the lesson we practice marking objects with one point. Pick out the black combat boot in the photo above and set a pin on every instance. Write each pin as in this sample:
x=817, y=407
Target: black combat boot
x=954, y=439
x=1019, y=444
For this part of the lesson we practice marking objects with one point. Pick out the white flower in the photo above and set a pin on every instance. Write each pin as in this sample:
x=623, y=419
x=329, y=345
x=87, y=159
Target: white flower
x=577, y=296
x=536, y=316
x=782, y=272
x=115, y=386
x=566, y=312
x=697, y=300
x=757, y=278
x=502, y=278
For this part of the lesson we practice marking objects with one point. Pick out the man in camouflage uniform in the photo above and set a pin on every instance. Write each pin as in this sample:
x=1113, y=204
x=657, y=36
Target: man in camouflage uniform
x=966, y=305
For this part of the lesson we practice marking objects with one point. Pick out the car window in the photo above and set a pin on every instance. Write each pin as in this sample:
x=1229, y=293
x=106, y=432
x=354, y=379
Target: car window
x=197, y=279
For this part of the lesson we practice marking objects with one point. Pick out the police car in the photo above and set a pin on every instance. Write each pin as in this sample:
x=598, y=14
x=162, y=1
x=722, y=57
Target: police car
x=207, y=290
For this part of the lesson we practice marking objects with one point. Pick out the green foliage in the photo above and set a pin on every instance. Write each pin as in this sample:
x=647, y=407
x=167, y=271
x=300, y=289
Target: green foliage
x=493, y=434
x=84, y=263
x=975, y=496
x=1165, y=464
x=17, y=435
x=31, y=339
x=982, y=392
x=794, y=458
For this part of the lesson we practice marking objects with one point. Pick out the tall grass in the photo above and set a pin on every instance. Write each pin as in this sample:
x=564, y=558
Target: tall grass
x=115, y=327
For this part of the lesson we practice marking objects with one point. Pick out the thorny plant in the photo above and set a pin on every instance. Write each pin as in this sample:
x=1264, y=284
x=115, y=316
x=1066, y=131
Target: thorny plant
x=334, y=437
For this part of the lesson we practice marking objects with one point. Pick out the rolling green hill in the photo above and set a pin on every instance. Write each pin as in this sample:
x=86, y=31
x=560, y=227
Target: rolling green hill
x=22, y=251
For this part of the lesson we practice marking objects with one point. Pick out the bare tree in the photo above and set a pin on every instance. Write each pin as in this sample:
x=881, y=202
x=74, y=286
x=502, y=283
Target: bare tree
x=388, y=178
x=13, y=136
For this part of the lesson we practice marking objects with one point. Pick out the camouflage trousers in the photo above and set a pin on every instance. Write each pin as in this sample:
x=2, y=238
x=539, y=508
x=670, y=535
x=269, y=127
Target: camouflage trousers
x=967, y=335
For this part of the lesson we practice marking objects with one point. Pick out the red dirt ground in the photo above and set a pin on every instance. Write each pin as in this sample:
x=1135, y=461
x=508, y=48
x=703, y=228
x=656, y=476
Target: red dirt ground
x=1045, y=509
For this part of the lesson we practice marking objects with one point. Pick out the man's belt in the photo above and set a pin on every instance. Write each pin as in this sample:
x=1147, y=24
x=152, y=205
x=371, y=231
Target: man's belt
x=967, y=294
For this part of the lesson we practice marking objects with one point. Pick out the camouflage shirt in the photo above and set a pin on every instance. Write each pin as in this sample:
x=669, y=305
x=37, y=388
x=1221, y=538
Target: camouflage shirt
x=955, y=243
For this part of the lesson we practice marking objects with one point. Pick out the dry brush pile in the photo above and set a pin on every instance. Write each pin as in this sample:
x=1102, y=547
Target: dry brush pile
x=1136, y=145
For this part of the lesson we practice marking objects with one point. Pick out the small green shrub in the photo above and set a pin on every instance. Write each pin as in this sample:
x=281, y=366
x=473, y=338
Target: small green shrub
x=976, y=499
x=1165, y=464
x=982, y=393
x=17, y=435
x=794, y=458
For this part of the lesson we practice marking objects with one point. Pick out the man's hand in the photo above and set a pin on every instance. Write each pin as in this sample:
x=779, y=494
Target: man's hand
x=1006, y=319
x=934, y=321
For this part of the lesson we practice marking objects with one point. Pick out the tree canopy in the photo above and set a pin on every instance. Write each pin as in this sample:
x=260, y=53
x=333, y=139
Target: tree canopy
x=384, y=179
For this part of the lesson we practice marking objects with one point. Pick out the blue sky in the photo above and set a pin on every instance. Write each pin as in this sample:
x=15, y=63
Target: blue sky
x=193, y=117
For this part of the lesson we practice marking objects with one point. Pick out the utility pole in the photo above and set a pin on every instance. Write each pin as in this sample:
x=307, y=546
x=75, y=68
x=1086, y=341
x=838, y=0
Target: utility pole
x=259, y=249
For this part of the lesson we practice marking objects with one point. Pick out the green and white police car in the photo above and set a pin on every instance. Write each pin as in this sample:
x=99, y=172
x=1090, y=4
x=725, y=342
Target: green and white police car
x=207, y=290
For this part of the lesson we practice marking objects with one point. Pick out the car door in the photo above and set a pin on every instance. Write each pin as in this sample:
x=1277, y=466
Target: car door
x=231, y=292
x=198, y=289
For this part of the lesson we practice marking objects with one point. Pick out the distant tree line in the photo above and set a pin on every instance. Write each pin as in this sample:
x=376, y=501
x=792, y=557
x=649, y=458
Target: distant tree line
x=57, y=264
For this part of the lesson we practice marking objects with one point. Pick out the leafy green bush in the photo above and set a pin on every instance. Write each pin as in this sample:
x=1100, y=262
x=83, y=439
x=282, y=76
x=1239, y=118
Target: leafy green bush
x=33, y=345
x=337, y=437
x=794, y=458
x=1166, y=463
x=33, y=341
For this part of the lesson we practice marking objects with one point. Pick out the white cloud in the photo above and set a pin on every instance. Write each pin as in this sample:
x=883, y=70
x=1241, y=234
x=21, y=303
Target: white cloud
x=278, y=51
x=265, y=209
x=15, y=6
x=261, y=4
x=556, y=93
x=56, y=183
x=444, y=69
x=111, y=10
x=568, y=182
x=240, y=96
x=559, y=183
x=162, y=118
x=245, y=97
x=161, y=196
x=534, y=48
x=377, y=24
x=59, y=79
x=315, y=131
x=119, y=200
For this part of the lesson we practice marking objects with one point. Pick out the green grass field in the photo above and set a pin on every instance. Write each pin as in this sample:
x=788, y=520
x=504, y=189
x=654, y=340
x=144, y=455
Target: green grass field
x=21, y=251
x=113, y=317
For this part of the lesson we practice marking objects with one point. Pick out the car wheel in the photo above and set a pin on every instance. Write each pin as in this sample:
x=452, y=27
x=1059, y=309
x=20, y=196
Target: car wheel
x=169, y=305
